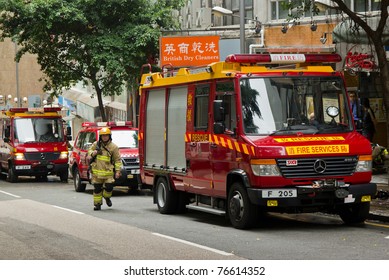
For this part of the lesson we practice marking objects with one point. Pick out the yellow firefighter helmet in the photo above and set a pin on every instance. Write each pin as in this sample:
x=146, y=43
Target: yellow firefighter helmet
x=105, y=131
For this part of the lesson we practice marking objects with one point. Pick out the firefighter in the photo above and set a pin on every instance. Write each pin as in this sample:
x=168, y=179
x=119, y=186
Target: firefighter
x=105, y=163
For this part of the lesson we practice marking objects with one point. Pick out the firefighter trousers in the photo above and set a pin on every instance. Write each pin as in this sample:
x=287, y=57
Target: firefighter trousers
x=100, y=191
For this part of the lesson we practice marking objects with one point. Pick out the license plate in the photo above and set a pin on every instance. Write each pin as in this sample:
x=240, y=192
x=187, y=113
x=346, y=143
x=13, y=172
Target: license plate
x=19, y=167
x=130, y=176
x=279, y=193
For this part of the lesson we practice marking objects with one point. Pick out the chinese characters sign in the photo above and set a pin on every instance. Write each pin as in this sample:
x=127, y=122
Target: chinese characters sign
x=189, y=51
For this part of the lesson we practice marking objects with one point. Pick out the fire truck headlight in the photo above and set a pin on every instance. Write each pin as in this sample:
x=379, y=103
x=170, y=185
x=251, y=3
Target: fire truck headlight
x=364, y=166
x=264, y=167
x=63, y=155
x=19, y=156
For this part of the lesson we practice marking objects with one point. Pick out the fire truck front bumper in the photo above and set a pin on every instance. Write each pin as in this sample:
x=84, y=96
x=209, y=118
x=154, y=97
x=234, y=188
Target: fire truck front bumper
x=42, y=168
x=301, y=197
x=129, y=177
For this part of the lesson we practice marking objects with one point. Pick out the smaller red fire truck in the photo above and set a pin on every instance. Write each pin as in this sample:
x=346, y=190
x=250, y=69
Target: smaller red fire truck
x=124, y=135
x=254, y=133
x=33, y=143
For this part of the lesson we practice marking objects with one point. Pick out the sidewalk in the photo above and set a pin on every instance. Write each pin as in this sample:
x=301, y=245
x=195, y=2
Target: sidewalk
x=379, y=208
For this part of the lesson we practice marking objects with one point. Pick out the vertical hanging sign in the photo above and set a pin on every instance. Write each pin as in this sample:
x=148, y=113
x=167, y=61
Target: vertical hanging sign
x=189, y=50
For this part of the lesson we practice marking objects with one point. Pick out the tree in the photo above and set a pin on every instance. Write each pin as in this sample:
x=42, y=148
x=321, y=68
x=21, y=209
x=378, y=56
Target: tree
x=376, y=35
x=103, y=43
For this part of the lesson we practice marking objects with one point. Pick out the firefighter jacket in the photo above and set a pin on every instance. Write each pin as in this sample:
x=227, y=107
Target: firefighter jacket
x=106, y=162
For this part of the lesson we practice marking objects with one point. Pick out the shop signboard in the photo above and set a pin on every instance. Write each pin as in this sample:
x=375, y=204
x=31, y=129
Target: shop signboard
x=185, y=51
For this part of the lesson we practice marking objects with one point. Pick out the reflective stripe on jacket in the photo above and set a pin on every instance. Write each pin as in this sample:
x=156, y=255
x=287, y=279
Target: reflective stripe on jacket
x=107, y=160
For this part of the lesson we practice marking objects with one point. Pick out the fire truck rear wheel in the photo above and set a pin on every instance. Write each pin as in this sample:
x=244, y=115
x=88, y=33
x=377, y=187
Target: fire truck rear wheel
x=78, y=186
x=354, y=213
x=242, y=213
x=167, y=200
x=12, y=177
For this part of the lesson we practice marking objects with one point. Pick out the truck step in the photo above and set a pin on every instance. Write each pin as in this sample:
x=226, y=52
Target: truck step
x=206, y=209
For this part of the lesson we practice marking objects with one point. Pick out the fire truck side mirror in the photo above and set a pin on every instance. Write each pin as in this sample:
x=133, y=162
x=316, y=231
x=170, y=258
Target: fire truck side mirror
x=218, y=128
x=218, y=117
x=7, y=132
x=218, y=111
x=68, y=131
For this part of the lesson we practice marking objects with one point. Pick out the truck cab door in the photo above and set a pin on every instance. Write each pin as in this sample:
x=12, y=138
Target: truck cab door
x=222, y=146
x=198, y=145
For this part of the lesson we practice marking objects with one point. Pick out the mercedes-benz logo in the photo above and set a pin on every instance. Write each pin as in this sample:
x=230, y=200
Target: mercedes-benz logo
x=43, y=156
x=319, y=166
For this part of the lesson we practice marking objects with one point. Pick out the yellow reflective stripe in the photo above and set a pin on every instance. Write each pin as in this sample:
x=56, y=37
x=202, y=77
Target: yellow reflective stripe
x=118, y=165
x=104, y=158
x=103, y=172
x=97, y=198
x=107, y=194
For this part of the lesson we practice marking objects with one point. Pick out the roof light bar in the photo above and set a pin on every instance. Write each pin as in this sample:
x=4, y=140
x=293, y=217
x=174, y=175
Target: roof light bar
x=105, y=124
x=282, y=58
x=52, y=109
x=120, y=123
x=88, y=124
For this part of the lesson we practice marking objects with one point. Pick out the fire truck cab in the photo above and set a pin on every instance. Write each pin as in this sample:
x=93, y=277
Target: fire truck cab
x=254, y=133
x=33, y=143
x=124, y=135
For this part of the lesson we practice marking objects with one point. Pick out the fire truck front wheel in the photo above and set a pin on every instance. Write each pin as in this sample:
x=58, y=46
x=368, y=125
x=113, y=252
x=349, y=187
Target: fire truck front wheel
x=12, y=176
x=78, y=185
x=241, y=212
x=167, y=200
x=354, y=213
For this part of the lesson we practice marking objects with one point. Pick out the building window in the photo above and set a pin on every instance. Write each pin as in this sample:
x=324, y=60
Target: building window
x=277, y=11
x=234, y=6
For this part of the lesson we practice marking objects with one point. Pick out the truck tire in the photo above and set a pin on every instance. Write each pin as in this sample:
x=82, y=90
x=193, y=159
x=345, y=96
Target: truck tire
x=64, y=176
x=12, y=177
x=354, y=213
x=167, y=200
x=78, y=185
x=241, y=212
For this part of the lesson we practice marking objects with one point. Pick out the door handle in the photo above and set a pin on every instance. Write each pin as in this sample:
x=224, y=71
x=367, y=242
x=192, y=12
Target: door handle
x=193, y=144
x=213, y=145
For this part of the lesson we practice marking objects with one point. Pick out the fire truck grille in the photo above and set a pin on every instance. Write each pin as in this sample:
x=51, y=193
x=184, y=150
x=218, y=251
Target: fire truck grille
x=42, y=156
x=130, y=161
x=317, y=167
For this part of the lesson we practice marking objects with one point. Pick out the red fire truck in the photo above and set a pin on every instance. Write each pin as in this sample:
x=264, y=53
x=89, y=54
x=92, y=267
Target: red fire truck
x=125, y=136
x=255, y=133
x=33, y=143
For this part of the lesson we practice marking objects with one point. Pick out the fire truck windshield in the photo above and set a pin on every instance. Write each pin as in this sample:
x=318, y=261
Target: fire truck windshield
x=125, y=138
x=38, y=130
x=287, y=105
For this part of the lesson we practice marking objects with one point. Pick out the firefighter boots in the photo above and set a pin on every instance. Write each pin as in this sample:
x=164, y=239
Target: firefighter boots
x=97, y=207
x=108, y=201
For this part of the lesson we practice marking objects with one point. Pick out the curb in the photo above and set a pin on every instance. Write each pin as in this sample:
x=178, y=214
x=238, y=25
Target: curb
x=378, y=217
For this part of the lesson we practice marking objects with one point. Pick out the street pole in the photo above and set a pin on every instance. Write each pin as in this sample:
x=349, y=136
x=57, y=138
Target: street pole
x=242, y=26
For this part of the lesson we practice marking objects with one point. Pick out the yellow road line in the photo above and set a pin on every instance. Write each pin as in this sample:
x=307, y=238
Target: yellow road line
x=377, y=225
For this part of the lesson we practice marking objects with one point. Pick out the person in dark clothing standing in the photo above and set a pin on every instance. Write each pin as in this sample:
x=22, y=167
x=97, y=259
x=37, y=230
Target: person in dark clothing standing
x=368, y=120
x=356, y=109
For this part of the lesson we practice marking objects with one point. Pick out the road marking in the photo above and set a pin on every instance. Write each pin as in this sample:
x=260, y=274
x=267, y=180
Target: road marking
x=194, y=244
x=10, y=194
x=67, y=209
